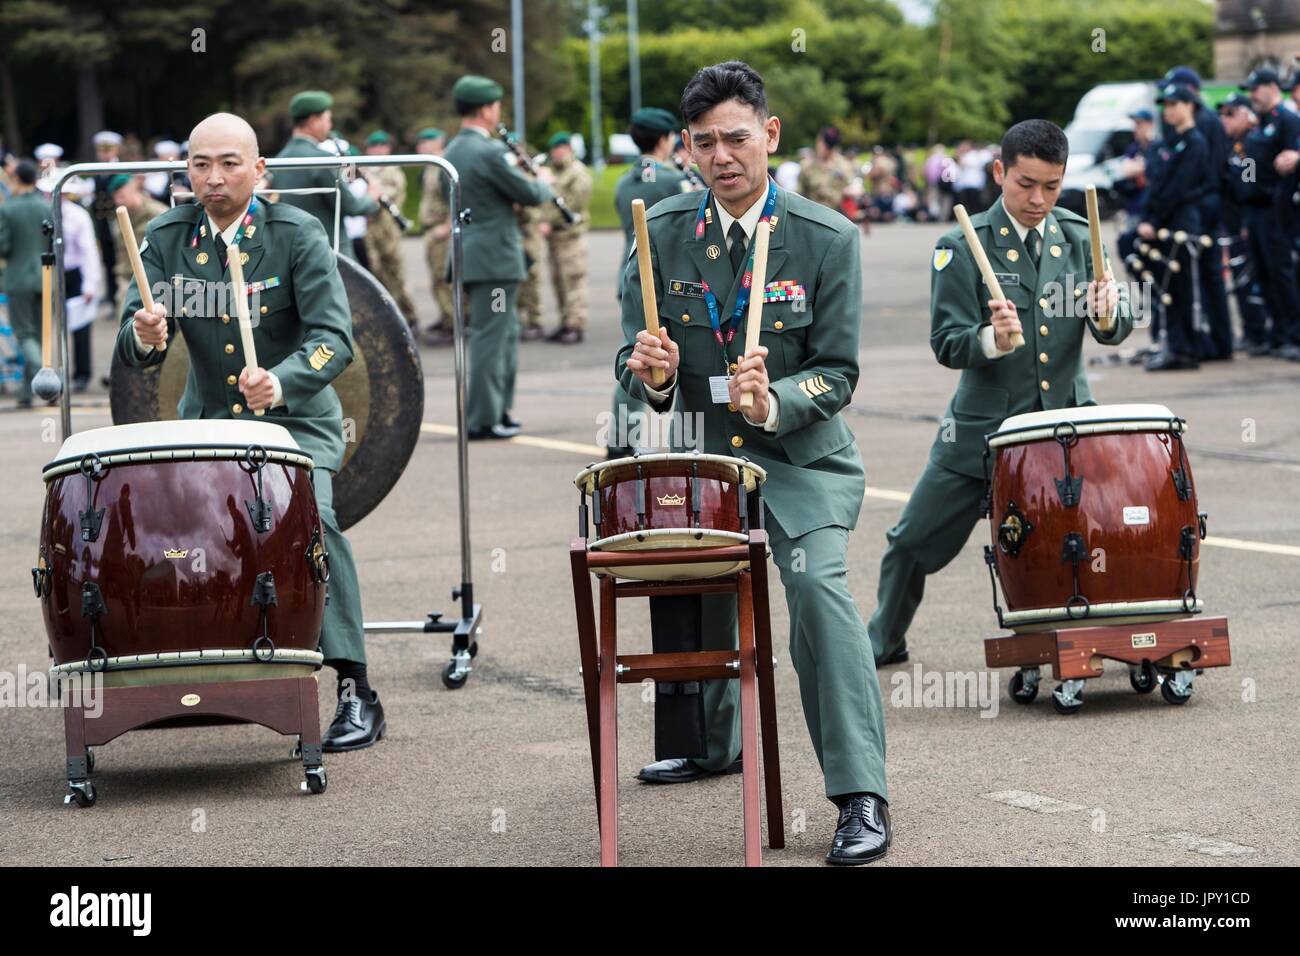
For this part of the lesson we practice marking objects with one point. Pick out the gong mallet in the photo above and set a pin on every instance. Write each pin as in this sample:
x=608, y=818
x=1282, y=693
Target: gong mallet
x=46, y=384
x=241, y=310
x=648, y=300
x=754, y=320
x=137, y=265
x=982, y=260
x=1104, y=322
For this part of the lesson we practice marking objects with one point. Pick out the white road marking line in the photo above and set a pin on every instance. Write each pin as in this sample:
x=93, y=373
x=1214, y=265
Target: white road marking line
x=552, y=444
x=1024, y=800
x=1263, y=546
x=1192, y=843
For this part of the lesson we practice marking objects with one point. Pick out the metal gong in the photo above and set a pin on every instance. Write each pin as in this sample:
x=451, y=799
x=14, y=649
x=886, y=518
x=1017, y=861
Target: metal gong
x=382, y=393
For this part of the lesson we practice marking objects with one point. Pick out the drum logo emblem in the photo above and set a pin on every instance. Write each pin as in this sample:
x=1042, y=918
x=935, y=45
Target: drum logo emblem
x=1144, y=640
x=671, y=500
x=190, y=700
x=175, y=553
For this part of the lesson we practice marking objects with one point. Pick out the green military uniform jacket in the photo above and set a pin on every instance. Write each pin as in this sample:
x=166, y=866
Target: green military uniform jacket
x=649, y=181
x=811, y=319
x=320, y=205
x=302, y=322
x=1047, y=371
x=22, y=241
x=490, y=185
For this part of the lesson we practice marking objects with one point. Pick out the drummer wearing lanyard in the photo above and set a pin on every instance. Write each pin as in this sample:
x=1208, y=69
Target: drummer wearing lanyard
x=303, y=334
x=800, y=377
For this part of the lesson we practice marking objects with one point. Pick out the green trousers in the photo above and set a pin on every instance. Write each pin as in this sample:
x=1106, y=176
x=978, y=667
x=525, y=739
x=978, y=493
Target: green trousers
x=25, y=320
x=935, y=525
x=493, y=352
x=831, y=655
x=342, y=635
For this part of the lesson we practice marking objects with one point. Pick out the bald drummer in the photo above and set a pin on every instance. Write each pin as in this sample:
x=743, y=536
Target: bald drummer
x=302, y=337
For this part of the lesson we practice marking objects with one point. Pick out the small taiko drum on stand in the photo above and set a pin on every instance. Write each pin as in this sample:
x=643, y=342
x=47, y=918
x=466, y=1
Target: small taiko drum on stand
x=1095, y=544
x=183, y=568
x=665, y=525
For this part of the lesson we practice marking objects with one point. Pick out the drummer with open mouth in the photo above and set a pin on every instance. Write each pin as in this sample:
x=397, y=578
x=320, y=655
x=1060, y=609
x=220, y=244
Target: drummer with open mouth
x=801, y=376
x=1041, y=259
x=303, y=337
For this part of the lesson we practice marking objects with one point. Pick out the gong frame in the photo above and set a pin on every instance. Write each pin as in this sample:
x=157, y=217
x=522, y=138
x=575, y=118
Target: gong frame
x=463, y=628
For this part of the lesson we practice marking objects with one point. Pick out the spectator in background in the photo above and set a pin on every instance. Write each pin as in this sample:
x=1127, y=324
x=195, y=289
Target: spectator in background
x=972, y=175
x=939, y=171
x=787, y=174
x=158, y=185
x=108, y=146
x=1132, y=182
x=22, y=240
x=83, y=277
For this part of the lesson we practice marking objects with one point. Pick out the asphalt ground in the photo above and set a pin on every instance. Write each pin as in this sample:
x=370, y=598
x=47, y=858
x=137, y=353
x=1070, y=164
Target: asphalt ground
x=499, y=772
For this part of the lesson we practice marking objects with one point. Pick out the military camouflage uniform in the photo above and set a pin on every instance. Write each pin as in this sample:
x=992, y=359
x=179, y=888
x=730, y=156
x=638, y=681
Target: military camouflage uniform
x=825, y=181
x=435, y=212
x=384, y=240
x=567, y=243
x=148, y=210
x=530, y=292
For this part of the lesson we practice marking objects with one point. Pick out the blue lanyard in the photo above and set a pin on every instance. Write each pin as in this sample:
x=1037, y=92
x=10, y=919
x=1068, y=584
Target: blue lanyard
x=742, y=297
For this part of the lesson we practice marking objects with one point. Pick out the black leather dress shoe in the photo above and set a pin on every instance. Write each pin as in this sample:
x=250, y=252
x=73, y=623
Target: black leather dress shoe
x=1291, y=352
x=565, y=336
x=495, y=432
x=1170, y=362
x=863, y=833
x=357, y=724
x=897, y=657
x=681, y=770
x=508, y=422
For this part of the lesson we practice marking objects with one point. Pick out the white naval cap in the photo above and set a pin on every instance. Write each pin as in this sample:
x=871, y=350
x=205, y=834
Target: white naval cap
x=47, y=151
x=167, y=147
x=106, y=137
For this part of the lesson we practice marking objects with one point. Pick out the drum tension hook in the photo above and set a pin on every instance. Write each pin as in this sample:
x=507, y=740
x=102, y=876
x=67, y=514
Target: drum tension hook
x=259, y=511
x=1074, y=550
x=990, y=558
x=1069, y=487
x=93, y=607
x=263, y=597
x=1182, y=479
x=92, y=468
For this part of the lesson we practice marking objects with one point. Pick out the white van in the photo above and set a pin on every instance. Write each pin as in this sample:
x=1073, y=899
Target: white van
x=1099, y=133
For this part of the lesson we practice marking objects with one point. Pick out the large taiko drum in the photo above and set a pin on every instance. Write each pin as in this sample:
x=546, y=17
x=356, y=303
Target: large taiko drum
x=1094, y=517
x=670, y=500
x=182, y=551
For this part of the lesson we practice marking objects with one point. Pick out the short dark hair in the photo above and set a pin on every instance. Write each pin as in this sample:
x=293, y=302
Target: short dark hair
x=25, y=172
x=468, y=109
x=1036, y=138
x=716, y=84
x=646, y=139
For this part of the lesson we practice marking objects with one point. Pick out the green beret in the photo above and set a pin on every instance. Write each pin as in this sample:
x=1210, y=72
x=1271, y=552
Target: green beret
x=431, y=132
x=308, y=103
x=117, y=182
x=378, y=138
x=651, y=117
x=476, y=91
x=559, y=139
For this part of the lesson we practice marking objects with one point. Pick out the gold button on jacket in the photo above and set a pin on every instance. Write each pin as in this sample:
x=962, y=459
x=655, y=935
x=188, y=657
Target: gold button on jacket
x=230, y=349
x=236, y=408
x=737, y=441
x=231, y=380
x=1047, y=386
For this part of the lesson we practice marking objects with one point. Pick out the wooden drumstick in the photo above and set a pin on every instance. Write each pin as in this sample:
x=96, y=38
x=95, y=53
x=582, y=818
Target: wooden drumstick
x=648, y=301
x=754, y=320
x=241, y=310
x=982, y=260
x=137, y=264
x=1104, y=321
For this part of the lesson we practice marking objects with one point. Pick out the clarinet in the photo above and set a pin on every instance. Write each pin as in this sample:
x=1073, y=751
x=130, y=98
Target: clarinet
x=521, y=154
x=694, y=178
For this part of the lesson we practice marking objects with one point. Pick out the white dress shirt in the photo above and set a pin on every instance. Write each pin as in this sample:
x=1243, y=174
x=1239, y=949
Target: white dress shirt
x=988, y=338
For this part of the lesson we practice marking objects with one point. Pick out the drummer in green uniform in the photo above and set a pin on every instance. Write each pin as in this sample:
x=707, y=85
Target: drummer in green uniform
x=801, y=376
x=311, y=112
x=650, y=179
x=491, y=184
x=1042, y=260
x=303, y=339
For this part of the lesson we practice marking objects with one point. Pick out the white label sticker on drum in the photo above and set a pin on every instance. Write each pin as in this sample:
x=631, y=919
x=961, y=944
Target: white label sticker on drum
x=1137, y=515
x=718, y=388
x=1144, y=640
x=190, y=700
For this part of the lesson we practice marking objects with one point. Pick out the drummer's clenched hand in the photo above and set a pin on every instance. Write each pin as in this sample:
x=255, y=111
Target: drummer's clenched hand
x=751, y=376
x=152, y=326
x=1103, y=296
x=1005, y=322
x=258, y=388
x=651, y=353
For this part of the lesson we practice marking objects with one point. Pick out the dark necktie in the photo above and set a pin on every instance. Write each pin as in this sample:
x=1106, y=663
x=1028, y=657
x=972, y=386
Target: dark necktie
x=736, y=234
x=1033, y=245
x=221, y=247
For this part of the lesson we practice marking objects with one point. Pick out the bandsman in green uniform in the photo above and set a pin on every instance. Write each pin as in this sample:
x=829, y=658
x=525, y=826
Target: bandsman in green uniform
x=312, y=114
x=384, y=237
x=566, y=243
x=491, y=185
x=303, y=337
x=22, y=240
x=1043, y=263
x=801, y=376
x=435, y=219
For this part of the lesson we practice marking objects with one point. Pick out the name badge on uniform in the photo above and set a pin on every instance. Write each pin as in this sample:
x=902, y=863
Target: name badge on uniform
x=681, y=287
x=718, y=389
x=1007, y=278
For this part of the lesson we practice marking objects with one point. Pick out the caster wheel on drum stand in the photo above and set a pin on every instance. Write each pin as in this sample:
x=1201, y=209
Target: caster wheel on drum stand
x=1176, y=687
x=1143, y=678
x=1024, y=685
x=456, y=673
x=1068, y=697
x=80, y=792
x=316, y=781
x=90, y=760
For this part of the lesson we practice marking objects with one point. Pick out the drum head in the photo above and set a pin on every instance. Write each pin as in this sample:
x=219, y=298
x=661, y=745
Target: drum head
x=382, y=392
